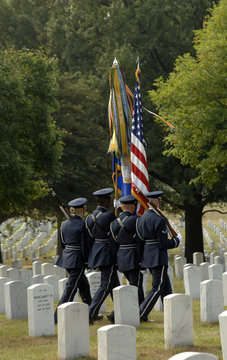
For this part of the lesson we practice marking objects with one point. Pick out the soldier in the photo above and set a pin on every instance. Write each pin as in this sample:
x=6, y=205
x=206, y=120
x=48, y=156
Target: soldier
x=130, y=246
x=103, y=250
x=73, y=238
x=152, y=230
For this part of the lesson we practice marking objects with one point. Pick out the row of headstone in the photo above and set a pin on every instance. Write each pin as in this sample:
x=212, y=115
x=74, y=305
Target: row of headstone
x=178, y=321
x=223, y=224
x=178, y=325
x=43, y=249
x=119, y=340
x=29, y=250
x=216, y=230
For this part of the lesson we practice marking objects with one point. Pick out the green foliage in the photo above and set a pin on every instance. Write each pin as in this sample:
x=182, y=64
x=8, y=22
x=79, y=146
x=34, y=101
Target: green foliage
x=194, y=99
x=30, y=142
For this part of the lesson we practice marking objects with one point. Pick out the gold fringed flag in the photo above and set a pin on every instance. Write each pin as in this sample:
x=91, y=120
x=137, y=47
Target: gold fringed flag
x=120, y=117
x=119, y=113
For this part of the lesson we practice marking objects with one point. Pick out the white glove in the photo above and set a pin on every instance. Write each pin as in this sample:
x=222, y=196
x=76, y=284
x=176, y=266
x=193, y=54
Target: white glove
x=116, y=203
x=179, y=236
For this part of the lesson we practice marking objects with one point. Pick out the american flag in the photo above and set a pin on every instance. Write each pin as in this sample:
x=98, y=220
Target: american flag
x=139, y=173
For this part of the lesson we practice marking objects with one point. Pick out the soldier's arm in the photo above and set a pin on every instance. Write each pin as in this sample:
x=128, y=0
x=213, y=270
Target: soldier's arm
x=164, y=241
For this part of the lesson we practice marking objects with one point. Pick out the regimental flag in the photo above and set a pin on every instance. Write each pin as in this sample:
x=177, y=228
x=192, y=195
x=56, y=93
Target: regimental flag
x=121, y=168
x=120, y=119
x=119, y=113
x=139, y=172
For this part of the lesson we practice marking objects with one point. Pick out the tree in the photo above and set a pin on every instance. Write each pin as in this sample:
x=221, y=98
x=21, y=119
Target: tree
x=30, y=142
x=86, y=36
x=194, y=99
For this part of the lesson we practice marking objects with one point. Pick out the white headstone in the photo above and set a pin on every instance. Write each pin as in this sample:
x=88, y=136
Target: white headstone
x=3, y=280
x=225, y=259
x=16, y=300
x=211, y=300
x=17, y=264
x=215, y=272
x=26, y=276
x=126, y=305
x=224, y=282
x=37, y=279
x=197, y=258
x=192, y=281
x=94, y=279
x=178, y=321
x=53, y=281
x=204, y=271
x=146, y=275
x=223, y=331
x=189, y=355
x=13, y=273
x=117, y=342
x=3, y=270
x=40, y=310
x=73, y=330
x=59, y=271
x=47, y=269
x=220, y=260
x=179, y=262
x=159, y=305
x=36, y=267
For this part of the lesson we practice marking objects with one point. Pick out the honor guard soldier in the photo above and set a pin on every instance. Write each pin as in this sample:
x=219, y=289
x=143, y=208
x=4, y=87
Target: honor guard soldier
x=103, y=251
x=74, y=241
x=152, y=230
x=130, y=246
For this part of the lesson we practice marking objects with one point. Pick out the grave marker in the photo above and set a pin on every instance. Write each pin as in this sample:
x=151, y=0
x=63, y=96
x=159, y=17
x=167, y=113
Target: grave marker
x=40, y=310
x=178, y=321
x=117, y=342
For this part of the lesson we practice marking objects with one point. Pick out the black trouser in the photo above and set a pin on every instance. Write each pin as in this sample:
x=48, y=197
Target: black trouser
x=135, y=278
x=109, y=280
x=76, y=280
x=161, y=286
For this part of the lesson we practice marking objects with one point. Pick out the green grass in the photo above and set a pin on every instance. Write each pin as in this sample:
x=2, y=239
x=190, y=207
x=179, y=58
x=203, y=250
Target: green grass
x=17, y=345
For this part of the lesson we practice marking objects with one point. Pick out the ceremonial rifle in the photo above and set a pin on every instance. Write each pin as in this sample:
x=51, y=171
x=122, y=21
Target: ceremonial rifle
x=60, y=203
x=157, y=210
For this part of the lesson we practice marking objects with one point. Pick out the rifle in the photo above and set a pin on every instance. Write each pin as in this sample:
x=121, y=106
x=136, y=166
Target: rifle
x=60, y=203
x=156, y=210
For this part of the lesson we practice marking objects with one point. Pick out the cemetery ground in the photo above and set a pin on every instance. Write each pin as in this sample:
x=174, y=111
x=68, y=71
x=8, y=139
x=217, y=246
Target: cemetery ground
x=17, y=345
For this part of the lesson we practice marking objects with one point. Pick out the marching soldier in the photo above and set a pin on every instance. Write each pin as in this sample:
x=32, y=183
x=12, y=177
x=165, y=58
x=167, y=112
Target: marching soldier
x=152, y=230
x=73, y=238
x=130, y=246
x=103, y=250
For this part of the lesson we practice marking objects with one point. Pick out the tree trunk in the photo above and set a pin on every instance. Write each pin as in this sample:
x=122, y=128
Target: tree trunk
x=193, y=231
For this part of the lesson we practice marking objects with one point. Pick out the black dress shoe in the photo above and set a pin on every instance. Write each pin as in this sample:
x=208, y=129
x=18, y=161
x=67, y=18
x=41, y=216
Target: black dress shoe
x=110, y=317
x=145, y=319
x=99, y=317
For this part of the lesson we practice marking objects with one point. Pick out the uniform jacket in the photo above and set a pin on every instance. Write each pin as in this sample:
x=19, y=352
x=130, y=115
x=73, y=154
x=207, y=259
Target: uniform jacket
x=74, y=241
x=102, y=246
x=151, y=228
x=123, y=231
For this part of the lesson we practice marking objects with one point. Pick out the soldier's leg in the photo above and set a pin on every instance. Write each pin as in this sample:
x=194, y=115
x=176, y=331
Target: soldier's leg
x=135, y=278
x=84, y=289
x=102, y=292
x=70, y=287
x=167, y=288
x=158, y=275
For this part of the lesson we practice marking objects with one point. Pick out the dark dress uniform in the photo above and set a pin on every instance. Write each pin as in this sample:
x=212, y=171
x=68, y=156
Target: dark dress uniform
x=102, y=253
x=74, y=241
x=152, y=229
x=130, y=246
